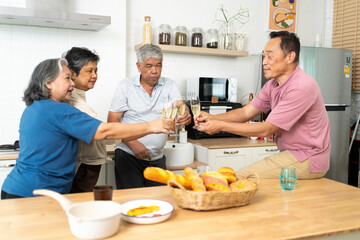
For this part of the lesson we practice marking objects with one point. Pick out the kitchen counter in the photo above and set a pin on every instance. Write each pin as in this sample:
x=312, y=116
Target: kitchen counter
x=214, y=143
x=316, y=208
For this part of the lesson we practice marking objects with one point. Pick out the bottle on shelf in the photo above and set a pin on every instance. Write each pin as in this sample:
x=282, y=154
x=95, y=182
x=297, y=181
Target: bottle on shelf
x=212, y=38
x=147, y=30
x=165, y=34
x=180, y=36
x=197, y=38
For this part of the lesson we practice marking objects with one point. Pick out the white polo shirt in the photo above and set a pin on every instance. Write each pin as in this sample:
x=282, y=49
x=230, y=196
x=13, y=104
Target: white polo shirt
x=138, y=106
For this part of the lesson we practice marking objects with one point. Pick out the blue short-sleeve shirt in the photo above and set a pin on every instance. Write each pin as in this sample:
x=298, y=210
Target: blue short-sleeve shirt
x=49, y=133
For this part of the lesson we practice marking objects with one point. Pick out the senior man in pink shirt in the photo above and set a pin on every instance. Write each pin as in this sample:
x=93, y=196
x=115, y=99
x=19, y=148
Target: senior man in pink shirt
x=298, y=116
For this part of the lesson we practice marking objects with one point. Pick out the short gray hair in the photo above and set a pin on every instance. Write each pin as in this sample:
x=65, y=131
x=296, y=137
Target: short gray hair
x=46, y=71
x=148, y=51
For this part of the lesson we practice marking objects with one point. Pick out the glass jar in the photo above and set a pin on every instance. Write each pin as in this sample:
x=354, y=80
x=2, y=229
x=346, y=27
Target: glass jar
x=197, y=38
x=180, y=36
x=165, y=34
x=212, y=38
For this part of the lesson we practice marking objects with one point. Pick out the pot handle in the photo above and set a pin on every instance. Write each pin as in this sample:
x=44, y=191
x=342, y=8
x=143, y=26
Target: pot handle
x=64, y=202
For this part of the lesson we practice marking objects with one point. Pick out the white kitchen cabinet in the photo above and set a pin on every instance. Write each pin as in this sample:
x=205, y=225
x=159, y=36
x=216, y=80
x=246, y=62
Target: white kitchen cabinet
x=236, y=158
x=259, y=153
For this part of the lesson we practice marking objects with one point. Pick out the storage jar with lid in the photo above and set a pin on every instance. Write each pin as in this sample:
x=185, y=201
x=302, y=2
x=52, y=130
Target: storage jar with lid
x=165, y=34
x=180, y=36
x=212, y=38
x=197, y=38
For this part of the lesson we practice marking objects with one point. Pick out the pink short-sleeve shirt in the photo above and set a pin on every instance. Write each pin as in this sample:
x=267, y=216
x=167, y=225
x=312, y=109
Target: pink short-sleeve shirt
x=298, y=109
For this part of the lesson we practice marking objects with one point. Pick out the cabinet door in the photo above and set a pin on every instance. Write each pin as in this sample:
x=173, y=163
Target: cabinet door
x=259, y=153
x=234, y=158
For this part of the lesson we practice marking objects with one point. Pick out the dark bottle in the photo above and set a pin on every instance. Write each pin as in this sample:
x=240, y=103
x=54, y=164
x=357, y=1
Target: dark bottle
x=212, y=38
x=164, y=34
x=197, y=38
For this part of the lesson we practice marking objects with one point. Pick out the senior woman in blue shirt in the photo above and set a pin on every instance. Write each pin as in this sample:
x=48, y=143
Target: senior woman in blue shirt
x=50, y=129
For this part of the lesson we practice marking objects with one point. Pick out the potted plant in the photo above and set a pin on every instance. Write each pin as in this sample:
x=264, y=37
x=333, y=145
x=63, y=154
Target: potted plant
x=242, y=17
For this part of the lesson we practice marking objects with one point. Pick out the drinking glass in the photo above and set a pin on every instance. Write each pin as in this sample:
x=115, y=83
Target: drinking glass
x=174, y=108
x=195, y=107
x=103, y=192
x=288, y=178
x=167, y=110
x=181, y=108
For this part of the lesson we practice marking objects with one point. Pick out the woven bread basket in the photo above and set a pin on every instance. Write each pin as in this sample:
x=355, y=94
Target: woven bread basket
x=212, y=200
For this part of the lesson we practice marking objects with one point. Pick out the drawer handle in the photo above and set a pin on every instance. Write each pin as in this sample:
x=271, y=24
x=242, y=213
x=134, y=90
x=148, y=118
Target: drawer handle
x=231, y=152
x=272, y=150
x=7, y=166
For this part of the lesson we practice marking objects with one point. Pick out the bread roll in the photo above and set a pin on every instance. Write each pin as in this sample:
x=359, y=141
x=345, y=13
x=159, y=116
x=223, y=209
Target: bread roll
x=226, y=169
x=160, y=175
x=196, y=181
x=215, y=175
x=230, y=177
x=242, y=185
x=217, y=187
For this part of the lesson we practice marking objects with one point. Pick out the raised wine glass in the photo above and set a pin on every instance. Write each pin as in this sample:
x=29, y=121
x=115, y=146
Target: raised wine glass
x=181, y=108
x=195, y=106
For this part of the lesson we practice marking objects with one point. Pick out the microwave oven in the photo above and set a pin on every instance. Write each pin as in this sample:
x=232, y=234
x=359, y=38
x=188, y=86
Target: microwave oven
x=206, y=107
x=225, y=89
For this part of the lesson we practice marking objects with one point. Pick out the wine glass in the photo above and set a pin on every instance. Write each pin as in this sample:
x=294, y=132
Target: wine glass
x=167, y=110
x=174, y=108
x=195, y=107
x=181, y=108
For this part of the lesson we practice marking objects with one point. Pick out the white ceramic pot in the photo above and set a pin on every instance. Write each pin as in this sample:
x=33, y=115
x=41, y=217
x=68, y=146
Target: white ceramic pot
x=178, y=154
x=88, y=220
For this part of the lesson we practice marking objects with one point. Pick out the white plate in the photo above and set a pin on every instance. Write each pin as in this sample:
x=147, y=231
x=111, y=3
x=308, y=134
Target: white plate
x=165, y=211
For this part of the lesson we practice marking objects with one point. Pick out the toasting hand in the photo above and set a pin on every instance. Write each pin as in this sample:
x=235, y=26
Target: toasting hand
x=210, y=126
x=203, y=117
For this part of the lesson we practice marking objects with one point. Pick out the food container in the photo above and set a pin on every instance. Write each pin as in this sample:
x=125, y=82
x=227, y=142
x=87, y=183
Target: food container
x=165, y=34
x=212, y=200
x=212, y=38
x=197, y=37
x=180, y=36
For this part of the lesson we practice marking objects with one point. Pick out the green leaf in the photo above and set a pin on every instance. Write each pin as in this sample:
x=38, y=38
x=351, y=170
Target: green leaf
x=284, y=24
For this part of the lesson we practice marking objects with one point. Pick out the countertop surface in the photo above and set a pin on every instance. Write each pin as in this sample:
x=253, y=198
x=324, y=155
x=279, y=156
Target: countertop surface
x=315, y=208
x=211, y=143
x=231, y=142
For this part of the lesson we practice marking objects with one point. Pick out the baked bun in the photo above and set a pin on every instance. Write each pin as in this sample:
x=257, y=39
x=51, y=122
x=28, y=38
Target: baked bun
x=216, y=175
x=229, y=173
x=197, y=184
x=163, y=176
x=242, y=185
x=226, y=169
x=215, y=181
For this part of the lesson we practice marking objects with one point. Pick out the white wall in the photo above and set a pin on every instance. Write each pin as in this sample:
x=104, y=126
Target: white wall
x=22, y=48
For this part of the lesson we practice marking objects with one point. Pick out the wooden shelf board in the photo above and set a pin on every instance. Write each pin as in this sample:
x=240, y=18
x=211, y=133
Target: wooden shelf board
x=200, y=51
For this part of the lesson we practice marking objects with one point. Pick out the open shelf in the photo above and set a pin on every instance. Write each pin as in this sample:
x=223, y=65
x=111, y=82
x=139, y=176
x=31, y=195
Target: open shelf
x=200, y=51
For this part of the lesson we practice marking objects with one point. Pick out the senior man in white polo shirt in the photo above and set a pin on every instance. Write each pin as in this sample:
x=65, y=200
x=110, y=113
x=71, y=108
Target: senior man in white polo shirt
x=140, y=99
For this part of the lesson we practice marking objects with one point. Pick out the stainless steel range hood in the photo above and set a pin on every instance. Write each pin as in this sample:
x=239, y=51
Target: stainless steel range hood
x=53, y=18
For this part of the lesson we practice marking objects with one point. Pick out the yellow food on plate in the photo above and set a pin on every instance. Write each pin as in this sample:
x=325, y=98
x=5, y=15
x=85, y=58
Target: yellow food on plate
x=142, y=210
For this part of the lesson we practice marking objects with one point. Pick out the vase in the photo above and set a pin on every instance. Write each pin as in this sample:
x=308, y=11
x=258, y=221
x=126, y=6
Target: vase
x=226, y=41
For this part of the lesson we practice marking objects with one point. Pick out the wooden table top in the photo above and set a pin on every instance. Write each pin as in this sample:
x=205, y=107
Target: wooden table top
x=231, y=142
x=316, y=208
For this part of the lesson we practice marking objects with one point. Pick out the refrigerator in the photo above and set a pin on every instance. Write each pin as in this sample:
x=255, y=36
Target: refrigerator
x=332, y=68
